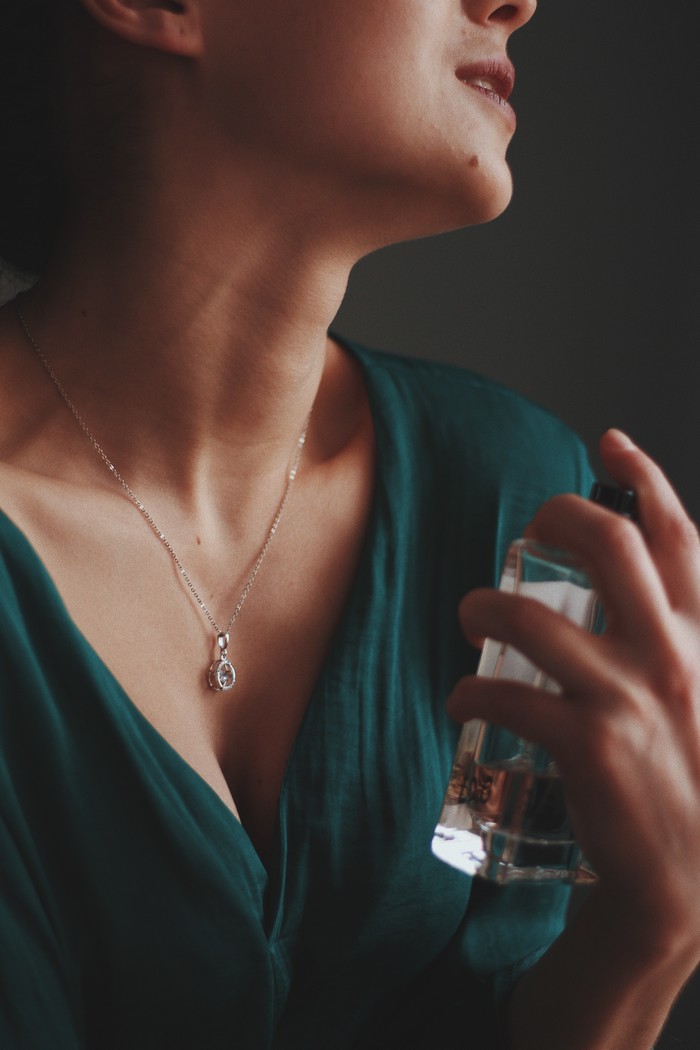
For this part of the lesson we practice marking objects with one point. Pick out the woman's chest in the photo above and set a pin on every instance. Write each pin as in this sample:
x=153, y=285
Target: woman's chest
x=124, y=592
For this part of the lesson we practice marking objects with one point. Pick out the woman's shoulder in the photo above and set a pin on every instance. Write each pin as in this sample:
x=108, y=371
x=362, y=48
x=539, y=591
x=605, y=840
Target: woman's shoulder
x=475, y=417
x=442, y=384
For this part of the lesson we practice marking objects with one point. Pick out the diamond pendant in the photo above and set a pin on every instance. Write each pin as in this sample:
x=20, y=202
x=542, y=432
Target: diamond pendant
x=222, y=673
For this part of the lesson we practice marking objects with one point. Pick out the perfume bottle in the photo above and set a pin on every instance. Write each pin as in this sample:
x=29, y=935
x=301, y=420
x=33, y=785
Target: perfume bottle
x=504, y=815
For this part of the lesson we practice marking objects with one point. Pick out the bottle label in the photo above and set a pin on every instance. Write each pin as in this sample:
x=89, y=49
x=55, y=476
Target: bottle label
x=503, y=661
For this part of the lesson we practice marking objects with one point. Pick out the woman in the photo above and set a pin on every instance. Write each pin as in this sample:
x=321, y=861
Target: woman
x=232, y=549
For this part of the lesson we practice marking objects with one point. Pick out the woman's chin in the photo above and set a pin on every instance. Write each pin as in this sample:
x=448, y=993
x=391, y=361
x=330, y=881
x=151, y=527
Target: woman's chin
x=484, y=193
x=445, y=209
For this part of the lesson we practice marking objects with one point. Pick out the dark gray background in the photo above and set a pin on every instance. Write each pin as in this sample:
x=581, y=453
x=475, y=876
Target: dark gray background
x=584, y=295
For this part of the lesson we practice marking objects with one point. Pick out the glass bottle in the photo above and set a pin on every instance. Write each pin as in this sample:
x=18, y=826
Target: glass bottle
x=504, y=814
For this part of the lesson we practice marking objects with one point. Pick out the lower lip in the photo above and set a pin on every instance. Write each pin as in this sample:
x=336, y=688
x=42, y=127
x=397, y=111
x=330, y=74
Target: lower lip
x=505, y=107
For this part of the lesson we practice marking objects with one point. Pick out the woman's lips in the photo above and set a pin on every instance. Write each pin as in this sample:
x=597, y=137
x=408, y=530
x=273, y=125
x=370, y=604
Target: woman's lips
x=493, y=78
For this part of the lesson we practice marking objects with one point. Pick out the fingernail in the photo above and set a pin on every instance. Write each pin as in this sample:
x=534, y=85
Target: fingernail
x=619, y=436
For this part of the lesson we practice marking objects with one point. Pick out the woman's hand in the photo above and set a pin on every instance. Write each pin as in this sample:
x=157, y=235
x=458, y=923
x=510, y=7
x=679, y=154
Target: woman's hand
x=625, y=731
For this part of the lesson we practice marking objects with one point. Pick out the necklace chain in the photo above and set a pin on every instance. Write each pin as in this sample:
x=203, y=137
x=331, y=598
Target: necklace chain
x=220, y=677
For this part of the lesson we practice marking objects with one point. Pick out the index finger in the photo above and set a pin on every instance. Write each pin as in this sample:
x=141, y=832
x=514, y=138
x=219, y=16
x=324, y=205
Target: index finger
x=671, y=536
x=617, y=560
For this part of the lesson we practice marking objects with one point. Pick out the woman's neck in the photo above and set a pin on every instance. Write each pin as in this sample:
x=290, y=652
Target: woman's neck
x=185, y=348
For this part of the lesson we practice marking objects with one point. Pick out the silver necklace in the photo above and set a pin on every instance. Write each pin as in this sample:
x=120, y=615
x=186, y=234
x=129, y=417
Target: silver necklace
x=222, y=674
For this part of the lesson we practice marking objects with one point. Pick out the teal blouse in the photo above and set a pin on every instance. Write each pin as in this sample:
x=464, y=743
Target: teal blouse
x=134, y=911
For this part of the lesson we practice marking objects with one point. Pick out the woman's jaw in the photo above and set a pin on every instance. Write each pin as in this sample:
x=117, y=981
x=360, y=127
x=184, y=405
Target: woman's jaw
x=396, y=111
x=374, y=122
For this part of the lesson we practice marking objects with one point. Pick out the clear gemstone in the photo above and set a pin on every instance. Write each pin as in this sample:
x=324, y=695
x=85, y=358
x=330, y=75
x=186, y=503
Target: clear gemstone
x=222, y=675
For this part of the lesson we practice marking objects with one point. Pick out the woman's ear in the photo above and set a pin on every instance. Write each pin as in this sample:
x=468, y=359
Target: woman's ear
x=164, y=25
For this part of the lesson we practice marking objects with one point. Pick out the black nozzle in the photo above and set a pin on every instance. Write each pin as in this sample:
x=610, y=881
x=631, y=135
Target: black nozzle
x=622, y=501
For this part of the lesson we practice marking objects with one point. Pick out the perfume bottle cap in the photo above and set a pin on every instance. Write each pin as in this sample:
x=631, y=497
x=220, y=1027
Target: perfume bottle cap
x=622, y=501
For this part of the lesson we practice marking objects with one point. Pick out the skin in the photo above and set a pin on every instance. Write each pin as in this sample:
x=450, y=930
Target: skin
x=210, y=307
x=186, y=312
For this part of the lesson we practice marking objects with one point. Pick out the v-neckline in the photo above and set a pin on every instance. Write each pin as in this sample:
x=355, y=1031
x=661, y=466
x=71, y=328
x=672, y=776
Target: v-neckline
x=273, y=877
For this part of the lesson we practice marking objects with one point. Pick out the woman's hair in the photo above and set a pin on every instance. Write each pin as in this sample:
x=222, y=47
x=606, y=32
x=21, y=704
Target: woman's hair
x=33, y=185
